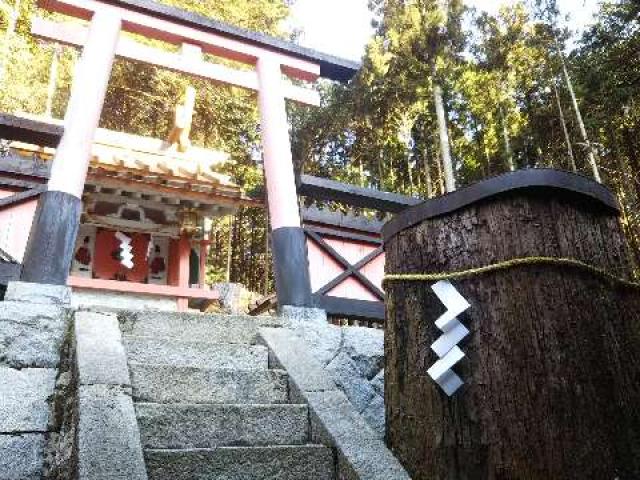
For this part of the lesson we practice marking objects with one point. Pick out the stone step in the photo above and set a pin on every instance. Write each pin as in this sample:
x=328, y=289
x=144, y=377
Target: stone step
x=181, y=426
x=196, y=327
x=158, y=351
x=167, y=384
x=308, y=462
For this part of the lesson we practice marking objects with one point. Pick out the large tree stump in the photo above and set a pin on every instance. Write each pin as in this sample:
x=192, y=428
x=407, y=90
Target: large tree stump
x=552, y=367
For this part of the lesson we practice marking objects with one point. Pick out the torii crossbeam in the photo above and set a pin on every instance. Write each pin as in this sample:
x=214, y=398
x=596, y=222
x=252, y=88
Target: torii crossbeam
x=53, y=234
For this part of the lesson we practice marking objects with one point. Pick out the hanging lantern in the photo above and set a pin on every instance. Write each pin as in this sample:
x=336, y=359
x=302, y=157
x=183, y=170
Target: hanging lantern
x=189, y=221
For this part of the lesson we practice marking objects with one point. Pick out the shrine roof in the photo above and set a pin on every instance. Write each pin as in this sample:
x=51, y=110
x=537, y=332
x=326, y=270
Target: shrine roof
x=150, y=165
x=331, y=67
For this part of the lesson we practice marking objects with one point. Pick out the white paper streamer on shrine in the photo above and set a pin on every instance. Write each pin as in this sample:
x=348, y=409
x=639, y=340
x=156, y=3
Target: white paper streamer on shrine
x=453, y=331
x=126, y=250
x=150, y=248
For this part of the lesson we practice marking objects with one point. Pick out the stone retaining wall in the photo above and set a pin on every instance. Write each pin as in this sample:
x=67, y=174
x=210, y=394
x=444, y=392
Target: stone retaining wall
x=360, y=452
x=33, y=323
x=352, y=356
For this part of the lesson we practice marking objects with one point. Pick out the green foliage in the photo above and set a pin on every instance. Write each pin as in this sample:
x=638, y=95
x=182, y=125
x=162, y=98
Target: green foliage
x=263, y=16
x=498, y=74
x=608, y=77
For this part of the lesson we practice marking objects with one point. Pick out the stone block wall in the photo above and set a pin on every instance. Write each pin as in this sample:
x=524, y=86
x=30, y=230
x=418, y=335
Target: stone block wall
x=33, y=323
x=353, y=357
x=92, y=299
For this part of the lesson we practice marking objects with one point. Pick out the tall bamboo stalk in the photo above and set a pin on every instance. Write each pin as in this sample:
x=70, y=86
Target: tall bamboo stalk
x=229, y=250
x=583, y=131
x=567, y=138
x=441, y=114
x=443, y=133
x=507, y=142
x=427, y=174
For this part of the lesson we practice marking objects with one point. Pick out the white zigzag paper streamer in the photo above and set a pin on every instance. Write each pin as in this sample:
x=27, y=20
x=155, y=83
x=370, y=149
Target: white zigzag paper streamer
x=446, y=346
x=126, y=250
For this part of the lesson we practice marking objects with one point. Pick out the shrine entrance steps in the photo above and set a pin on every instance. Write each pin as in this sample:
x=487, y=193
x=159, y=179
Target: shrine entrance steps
x=209, y=406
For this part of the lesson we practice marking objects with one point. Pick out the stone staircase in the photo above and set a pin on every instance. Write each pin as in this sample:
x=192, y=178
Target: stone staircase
x=209, y=406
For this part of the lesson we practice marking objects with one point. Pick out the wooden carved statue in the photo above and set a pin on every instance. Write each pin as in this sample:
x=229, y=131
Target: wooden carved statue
x=179, y=135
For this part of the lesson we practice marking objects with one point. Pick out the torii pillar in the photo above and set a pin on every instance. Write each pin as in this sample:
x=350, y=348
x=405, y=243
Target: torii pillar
x=53, y=234
x=291, y=264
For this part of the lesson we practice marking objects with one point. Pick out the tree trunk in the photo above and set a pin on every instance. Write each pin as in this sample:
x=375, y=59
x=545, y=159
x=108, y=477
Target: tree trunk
x=267, y=262
x=440, y=176
x=552, y=368
x=229, y=249
x=507, y=142
x=380, y=170
x=443, y=134
x=441, y=113
x=410, y=176
x=583, y=131
x=565, y=130
x=427, y=174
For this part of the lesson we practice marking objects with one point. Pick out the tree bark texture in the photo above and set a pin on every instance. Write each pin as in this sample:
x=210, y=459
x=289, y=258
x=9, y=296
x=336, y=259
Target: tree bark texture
x=552, y=367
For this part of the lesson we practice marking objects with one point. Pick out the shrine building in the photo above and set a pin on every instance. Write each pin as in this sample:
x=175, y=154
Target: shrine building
x=143, y=191
x=109, y=213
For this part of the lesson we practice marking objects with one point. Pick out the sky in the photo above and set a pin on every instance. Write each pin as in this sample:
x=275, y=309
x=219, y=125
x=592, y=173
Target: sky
x=343, y=27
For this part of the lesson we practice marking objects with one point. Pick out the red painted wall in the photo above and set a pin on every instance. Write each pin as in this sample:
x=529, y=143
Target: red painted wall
x=15, y=225
x=174, y=263
x=106, y=267
x=323, y=268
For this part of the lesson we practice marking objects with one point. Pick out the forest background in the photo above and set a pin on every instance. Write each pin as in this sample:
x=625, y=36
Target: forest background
x=446, y=96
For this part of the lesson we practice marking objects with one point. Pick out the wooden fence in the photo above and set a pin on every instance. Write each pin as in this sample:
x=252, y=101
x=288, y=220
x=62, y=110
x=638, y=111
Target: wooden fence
x=344, y=244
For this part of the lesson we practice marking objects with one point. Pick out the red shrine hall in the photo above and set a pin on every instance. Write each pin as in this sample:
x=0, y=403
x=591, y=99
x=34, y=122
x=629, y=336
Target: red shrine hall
x=125, y=219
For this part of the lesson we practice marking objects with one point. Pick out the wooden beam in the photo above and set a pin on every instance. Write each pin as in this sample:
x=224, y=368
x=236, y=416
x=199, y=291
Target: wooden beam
x=346, y=307
x=342, y=221
x=343, y=234
x=75, y=35
x=26, y=166
x=28, y=130
x=14, y=183
x=141, y=288
x=146, y=188
x=21, y=197
x=114, y=198
x=324, y=189
x=178, y=33
x=5, y=257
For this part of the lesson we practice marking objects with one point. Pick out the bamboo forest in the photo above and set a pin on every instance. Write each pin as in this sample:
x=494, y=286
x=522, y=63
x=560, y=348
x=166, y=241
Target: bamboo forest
x=447, y=95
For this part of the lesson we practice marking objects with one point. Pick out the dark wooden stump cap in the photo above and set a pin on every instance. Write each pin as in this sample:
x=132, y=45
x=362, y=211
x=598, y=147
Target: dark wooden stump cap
x=564, y=183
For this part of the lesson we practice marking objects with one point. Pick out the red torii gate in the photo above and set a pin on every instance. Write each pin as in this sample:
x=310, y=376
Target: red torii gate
x=53, y=234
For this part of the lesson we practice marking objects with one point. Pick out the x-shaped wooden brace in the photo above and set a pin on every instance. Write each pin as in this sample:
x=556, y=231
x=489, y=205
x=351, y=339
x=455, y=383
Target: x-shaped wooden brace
x=34, y=190
x=350, y=270
x=5, y=257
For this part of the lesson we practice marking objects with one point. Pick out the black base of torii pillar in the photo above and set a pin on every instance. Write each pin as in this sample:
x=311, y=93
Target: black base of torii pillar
x=51, y=244
x=54, y=229
x=291, y=267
